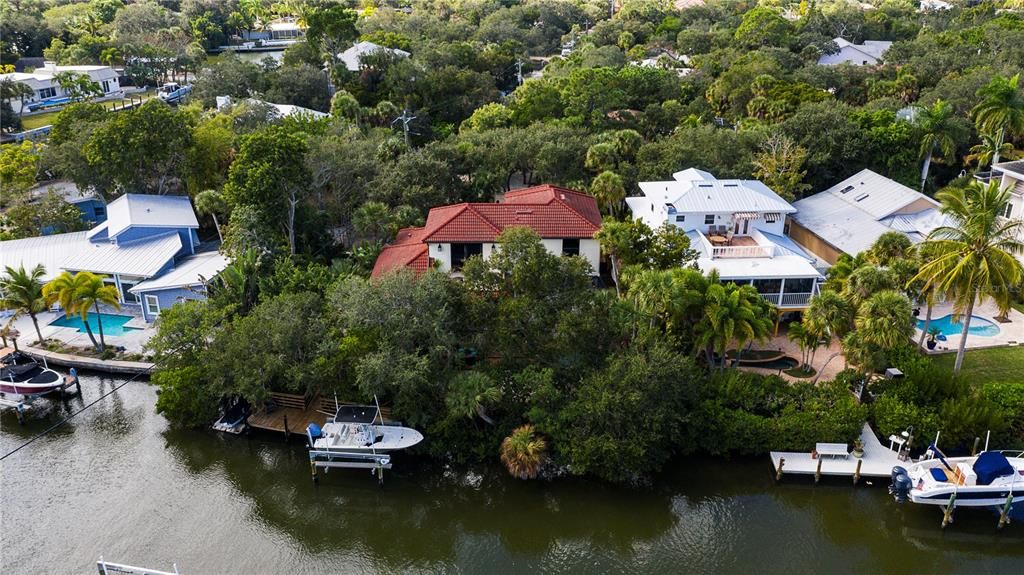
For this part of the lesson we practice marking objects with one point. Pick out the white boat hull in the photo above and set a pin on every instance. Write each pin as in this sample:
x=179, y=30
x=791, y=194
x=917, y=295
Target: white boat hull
x=937, y=482
x=365, y=439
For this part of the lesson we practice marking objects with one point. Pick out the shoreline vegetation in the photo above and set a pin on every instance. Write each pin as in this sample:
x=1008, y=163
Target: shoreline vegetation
x=521, y=359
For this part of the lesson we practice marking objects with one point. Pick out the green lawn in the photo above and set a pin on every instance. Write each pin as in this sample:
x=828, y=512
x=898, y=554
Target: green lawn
x=985, y=365
x=40, y=120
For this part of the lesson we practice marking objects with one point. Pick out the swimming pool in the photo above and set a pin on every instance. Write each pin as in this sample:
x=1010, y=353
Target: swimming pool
x=978, y=326
x=113, y=324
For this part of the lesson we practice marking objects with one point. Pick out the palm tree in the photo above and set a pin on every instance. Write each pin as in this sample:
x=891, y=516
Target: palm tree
x=90, y=293
x=975, y=258
x=885, y=320
x=939, y=131
x=807, y=337
x=1001, y=110
x=211, y=203
x=470, y=393
x=524, y=452
x=830, y=312
x=989, y=148
x=22, y=291
x=609, y=191
x=888, y=248
x=733, y=314
x=63, y=290
x=867, y=280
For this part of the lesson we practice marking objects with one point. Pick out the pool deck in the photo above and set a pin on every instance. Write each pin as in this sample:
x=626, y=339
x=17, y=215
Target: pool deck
x=878, y=460
x=132, y=341
x=1010, y=334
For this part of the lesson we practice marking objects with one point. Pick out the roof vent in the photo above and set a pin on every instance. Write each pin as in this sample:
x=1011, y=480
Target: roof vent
x=732, y=185
x=563, y=196
x=847, y=189
x=523, y=212
x=860, y=197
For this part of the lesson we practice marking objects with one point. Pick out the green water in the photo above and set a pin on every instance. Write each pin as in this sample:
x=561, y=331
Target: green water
x=117, y=482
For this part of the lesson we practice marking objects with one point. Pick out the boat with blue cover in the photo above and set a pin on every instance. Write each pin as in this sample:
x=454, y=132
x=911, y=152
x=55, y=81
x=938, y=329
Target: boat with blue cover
x=354, y=429
x=991, y=478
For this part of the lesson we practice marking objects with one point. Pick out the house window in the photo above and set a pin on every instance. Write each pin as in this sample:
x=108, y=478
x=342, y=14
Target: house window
x=571, y=247
x=462, y=252
x=772, y=217
x=106, y=86
x=680, y=219
x=152, y=305
x=47, y=92
x=709, y=219
x=100, y=211
x=1007, y=210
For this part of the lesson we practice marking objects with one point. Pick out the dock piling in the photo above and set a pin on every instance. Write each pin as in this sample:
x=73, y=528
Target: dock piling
x=974, y=450
x=312, y=467
x=817, y=473
x=947, y=515
x=778, y=472
x=286, y=431
x=856, y=474
x=1004, y=515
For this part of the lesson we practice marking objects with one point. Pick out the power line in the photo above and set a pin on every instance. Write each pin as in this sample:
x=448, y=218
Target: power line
x=68, y=418
x=405, y=118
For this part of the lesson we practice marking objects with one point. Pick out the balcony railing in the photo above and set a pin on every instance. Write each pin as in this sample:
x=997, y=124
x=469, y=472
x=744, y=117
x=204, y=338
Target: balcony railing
x=742, y=251
x=787, y=299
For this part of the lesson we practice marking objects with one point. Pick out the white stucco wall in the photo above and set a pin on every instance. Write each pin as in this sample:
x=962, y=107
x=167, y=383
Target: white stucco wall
x=590, y=249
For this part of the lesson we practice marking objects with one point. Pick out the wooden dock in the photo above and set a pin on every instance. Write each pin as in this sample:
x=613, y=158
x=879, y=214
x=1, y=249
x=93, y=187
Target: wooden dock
x=878, y=461
x=292, y=413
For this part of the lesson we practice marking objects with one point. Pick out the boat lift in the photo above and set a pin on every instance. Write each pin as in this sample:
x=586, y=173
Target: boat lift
x=375, y=462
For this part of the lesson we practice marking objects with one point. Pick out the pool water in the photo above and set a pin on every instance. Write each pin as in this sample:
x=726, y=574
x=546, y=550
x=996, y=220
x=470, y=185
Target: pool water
x=978, y=326
x=113, y=324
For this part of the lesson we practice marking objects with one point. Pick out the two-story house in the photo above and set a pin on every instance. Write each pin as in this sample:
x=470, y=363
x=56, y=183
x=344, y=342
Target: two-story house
x=566, y=221
x=1010, y=175
x=144, y=238
x=737, y=226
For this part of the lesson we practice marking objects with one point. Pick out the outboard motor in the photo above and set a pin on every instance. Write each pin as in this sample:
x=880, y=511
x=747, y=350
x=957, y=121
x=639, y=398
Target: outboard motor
x=901, y=484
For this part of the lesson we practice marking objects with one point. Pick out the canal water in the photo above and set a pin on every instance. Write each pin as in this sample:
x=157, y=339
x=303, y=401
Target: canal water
x=117, y=482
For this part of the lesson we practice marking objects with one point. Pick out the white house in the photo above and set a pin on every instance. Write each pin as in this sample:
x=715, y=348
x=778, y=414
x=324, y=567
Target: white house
x=353, y=57
x=851, y=215
x=1010, y=175
x=737, y=227
x=565, y=220
x=867, y=54
x=42, y=81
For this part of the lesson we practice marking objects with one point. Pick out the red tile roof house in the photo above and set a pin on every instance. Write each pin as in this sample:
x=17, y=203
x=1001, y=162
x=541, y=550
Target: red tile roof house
x=566, y=221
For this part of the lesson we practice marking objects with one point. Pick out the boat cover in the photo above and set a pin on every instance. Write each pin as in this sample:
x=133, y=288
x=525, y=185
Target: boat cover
x=990, y=466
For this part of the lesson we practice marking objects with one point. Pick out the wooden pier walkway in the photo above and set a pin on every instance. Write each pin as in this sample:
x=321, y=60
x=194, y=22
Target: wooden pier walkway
x=878, y=460
x=292, y=413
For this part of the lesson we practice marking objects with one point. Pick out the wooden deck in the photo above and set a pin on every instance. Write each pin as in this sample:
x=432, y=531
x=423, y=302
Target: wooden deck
x=292, y=413
x=878, y=460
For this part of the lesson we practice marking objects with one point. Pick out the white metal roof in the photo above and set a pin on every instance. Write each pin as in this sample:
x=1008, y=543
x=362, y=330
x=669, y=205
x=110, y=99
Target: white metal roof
x=142, y=257
x=787, y=266
x=852, y=220
x=352, y=57
x=50, y=251
x=149, y=211
x=715, y=196
x=190, y=271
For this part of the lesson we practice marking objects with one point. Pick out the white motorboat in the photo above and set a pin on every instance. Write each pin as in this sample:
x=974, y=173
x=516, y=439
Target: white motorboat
x=354, y=429
x=22, y=375
x=991, y=478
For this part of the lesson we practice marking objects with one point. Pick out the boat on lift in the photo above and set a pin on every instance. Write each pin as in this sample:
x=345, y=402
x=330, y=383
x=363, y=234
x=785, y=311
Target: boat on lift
x=991, y=478
x=354, y=430
x=23, y=375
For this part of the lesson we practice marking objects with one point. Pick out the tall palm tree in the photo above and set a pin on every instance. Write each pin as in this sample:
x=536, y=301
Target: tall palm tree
x=524, y=452
x=807, y=336
x=940, y=130
x=90, y=294
x=63, y=289
x=885, y=320
x=211, y=203
x=990, y=148
x=975, y=258
x=733, y=314
x=609, y=191
x=22, y=291
x=1001, y=110
x=830, y=312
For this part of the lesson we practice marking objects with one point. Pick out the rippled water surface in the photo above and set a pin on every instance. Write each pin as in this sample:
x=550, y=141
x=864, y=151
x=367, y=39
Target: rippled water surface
x=117, y=482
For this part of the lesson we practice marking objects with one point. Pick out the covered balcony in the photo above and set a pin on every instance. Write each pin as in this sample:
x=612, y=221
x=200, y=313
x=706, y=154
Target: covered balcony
x=787, y=293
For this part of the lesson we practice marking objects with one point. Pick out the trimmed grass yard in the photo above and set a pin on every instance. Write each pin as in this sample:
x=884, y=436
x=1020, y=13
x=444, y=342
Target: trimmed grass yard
x=39, y=120
x=987, y=365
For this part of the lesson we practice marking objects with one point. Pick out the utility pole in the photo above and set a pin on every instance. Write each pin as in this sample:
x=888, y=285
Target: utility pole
x=611, y=9
x=405, y=118
x=519, y=71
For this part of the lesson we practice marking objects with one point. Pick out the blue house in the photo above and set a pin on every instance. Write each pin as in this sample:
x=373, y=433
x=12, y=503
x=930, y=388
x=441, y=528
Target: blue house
x=92, y=207
x=147, y=242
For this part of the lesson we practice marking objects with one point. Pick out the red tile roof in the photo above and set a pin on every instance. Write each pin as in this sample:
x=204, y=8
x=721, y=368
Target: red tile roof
x=407, y=251
x=552, y=211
